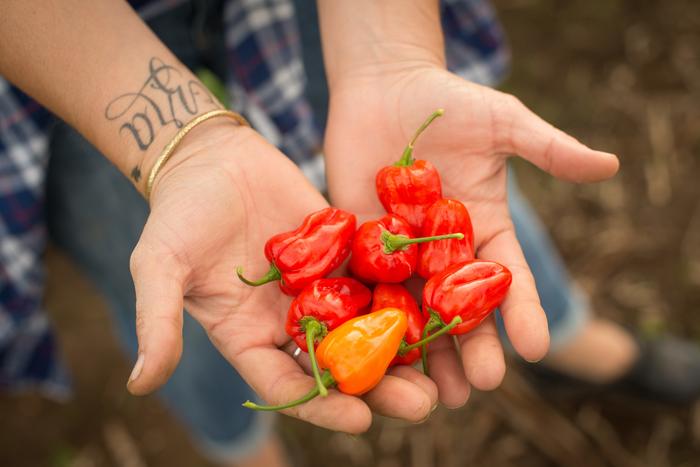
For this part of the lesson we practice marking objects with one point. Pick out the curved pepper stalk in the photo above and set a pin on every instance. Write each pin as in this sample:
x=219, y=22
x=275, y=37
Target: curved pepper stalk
x=327, y=381
x=394, y=242
x=273, y=274
x=356, y=354
x=410, y=186
x=313, y=329
x=405, y=348
x=385, y=250
x=407, y=156
x=433, y=323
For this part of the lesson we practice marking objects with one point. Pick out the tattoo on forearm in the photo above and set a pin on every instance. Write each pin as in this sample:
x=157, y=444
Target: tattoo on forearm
x=163, y=98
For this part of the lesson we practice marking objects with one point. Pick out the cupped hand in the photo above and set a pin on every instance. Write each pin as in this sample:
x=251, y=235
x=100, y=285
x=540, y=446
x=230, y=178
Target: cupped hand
x=372, y=117
x=212, y=208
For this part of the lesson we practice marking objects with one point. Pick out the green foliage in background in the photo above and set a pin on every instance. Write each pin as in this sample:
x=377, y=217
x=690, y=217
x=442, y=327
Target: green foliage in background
x=215, y=85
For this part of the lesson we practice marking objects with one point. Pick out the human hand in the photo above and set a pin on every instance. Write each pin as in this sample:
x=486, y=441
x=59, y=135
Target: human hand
x=374, y=113
x=224, y=192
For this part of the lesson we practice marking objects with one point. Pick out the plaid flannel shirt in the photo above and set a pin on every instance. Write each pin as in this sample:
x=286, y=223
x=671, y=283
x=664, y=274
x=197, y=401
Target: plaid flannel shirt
x=267, y=84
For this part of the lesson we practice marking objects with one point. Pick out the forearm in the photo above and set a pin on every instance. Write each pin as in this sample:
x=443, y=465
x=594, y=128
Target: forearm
x=364, y=37
x=97, y=66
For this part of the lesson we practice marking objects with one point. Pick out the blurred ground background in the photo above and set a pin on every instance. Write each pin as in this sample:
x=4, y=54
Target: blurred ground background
x=622, y=75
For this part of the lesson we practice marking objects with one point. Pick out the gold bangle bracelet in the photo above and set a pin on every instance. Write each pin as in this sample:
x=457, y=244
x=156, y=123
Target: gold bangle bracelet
x=172, y=145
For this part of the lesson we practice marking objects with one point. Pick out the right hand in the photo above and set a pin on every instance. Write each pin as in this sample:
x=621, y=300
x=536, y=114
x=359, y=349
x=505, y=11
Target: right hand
x=469, y=146
x=224, y=193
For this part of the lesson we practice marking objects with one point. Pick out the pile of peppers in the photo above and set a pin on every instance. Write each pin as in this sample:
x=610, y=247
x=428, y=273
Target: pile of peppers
x=355, y=328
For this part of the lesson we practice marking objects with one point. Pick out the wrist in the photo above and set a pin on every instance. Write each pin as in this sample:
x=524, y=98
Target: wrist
x=213, y=143
x=386, y=65
x=367, y=39
x=152, y=105
x=167, y=152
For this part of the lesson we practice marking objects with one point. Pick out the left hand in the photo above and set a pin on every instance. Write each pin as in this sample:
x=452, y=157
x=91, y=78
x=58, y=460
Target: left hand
x=372, y=117
x=213, y=206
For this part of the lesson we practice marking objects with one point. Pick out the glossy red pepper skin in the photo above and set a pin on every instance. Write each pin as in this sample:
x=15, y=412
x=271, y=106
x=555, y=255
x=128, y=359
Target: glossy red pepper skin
x=470, y=290
x=408, y=191
x=310, y=252
x=370, y=263
x=397, y=296
x=384, y=250
x=409, y=187
x=445, y=216
x=331, y=302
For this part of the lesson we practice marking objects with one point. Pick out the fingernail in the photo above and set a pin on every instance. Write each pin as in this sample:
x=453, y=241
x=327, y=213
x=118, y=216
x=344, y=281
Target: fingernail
x=137, y=369
x=425, y=419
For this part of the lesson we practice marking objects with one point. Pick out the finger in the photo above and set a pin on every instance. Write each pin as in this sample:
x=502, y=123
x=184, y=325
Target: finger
x=398, y=396
x=524, y=318
x=448, y=373
x=482, y=356
x=419, y=379
x=159, y=293
x=278, y=379
x=518, y=130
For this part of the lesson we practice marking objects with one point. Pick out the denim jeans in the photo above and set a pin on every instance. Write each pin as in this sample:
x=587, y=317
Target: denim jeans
x=97, y=217
x=564, y=304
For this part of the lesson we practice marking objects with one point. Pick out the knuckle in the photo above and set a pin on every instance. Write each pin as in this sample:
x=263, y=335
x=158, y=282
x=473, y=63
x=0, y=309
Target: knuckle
x=135, y=260
x=421, y=411
x=506, y=104
x=140, y=321
x=513, y=102
x=423, y=407
x=505, y=112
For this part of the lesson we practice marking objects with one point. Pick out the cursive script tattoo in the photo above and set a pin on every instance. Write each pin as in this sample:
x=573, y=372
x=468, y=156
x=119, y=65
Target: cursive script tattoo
x=163, y=100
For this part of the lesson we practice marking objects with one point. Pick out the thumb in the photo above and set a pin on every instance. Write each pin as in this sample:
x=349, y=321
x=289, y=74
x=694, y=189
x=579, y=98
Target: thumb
x=159, y=303
x=518, y=130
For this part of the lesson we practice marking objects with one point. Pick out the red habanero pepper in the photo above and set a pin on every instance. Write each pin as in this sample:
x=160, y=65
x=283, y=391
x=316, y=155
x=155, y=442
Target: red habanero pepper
x=396, y=296
x=325, y=304
x=384, y=250
x=445, y=216
x=355, y=355
x=310, y=252
x=320, y=307
x=470, y=290
x=409, y=187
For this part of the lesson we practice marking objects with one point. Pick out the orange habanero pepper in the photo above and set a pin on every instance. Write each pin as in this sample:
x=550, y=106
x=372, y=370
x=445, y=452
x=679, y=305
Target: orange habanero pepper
x=359, y=352
x=355, y=355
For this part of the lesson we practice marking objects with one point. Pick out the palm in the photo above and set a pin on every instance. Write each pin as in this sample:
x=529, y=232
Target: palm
x=371, y=121
x=212, y=213
x=460, y=144
x=226, y=226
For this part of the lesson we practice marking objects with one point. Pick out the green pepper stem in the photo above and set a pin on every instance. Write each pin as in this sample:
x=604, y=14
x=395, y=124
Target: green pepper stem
x=313, y=328
x=407, y=156
x=434, y=322
x=273, y=274
x=393, y=242
x=426, y=340
x=327, y=380
x=402, y=347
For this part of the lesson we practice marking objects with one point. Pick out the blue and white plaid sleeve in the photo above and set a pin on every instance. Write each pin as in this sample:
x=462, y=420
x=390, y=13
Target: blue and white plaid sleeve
x=475, y=43
x=27, y=347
